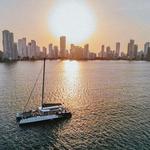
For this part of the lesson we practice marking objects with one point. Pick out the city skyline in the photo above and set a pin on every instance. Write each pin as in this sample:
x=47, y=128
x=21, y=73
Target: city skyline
x=24, y=50
x=115, y=21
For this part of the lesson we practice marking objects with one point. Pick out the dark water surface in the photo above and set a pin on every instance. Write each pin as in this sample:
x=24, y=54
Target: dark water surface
x=110, y=102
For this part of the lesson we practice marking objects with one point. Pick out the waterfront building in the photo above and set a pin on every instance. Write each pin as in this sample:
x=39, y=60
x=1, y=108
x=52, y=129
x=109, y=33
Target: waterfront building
x=77, y=52
x=109, y=53
x=20, y=53
x=56, y=51
x=140, y=55
x=71, y=51
x=62, y=47
x=148, y=54
x=92, y=56
x=44, y=50
x=123, y=55
x=29, y=50
x=51, y=52
x=33, y=49
x=103, y=51
x=8, y=45
x=37, y=51
x=15, y=51
x=101, y=54
x=132, y=50
x=135, y=51
x=86, y=51
x=1, y=55
x=22, y=48
x=146, y=47
x=117, y=53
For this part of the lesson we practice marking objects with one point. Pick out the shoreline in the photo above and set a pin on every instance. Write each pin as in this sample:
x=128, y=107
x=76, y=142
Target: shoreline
x=31, y=60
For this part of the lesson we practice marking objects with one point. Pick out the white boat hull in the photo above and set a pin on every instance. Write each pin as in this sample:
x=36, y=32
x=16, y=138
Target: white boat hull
x=46, y=118
x=37, y=119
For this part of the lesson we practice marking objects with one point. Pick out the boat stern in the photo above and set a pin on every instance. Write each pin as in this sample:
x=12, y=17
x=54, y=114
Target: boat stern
x=18, y=117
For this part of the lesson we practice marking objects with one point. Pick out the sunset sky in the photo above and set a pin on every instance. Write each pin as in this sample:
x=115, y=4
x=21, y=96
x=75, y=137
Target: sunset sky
x=114, y=21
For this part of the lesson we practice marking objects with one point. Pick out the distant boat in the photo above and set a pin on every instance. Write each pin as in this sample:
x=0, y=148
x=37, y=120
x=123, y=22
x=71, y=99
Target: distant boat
x=45, y=113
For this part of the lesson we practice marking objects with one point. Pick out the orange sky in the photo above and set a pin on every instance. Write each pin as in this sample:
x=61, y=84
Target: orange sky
x=117, y=20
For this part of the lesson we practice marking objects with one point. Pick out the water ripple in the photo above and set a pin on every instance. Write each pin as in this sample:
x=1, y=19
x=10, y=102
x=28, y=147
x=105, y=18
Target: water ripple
x=110, y=102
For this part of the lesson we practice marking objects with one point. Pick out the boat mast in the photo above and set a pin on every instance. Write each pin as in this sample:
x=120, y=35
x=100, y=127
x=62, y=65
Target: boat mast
x=43, y=84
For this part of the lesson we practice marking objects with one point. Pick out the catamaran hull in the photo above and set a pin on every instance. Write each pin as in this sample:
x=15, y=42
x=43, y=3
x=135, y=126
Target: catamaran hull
x=44, y=119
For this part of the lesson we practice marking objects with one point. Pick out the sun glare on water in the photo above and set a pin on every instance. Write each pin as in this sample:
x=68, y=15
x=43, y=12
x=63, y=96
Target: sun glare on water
x=72, y=18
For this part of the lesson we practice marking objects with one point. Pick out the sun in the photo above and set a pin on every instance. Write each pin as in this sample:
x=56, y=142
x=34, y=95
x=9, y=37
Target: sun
x=72, y=18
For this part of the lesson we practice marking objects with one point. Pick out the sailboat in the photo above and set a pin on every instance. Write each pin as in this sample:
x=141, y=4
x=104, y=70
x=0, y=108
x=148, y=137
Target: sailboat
x=47, y=112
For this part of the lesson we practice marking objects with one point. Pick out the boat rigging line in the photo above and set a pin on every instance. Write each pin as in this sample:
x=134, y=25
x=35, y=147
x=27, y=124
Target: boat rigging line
x=33, y=89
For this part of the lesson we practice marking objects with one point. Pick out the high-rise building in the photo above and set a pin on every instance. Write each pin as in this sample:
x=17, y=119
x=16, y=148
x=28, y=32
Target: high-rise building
x=55, y=52
x=77, y=52
x=37, y=51
x=117, y=53
x=33, y=49
x=22, y=48
x=20, y=52
x=44, y=52
x=15, y=51
x=102, y=50
x=29, y=50
x=86, y=51
x=146, y=47
x=101, y=54
x=62, y=46
x=140, y=55
x=135, y=52
x=71, y=51
x=1, y=55
x=51, y=53
x=148, y=54
x=109, y=53
x=8, y=45
x=92, y=56
x=123, y=55
x=132, y=50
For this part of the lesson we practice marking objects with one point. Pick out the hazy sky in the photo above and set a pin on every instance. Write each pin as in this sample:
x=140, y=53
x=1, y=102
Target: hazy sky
x=117, y=20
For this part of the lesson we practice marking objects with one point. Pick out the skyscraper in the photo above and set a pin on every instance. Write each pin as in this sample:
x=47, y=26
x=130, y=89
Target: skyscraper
x=72, y=51
x=29, y=50
x=1, y=55
x=20, y=52
x=22, y=48
x=117, y=53
x=86, y=51
x=109, y=53
x=37, y=51
x=62, y=46
x=44, y=52
x=146, y=47
x=135, y=51
x=50, y=48
x=8, y=45
x=15, y=51
x=55, y=52
x=33, y=49
x=102, y=52
x=132, y=50
x=148, y=54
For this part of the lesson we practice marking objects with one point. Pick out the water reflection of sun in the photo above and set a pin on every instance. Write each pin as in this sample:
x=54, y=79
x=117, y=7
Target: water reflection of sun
x=71, y=77
x=71, y=69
